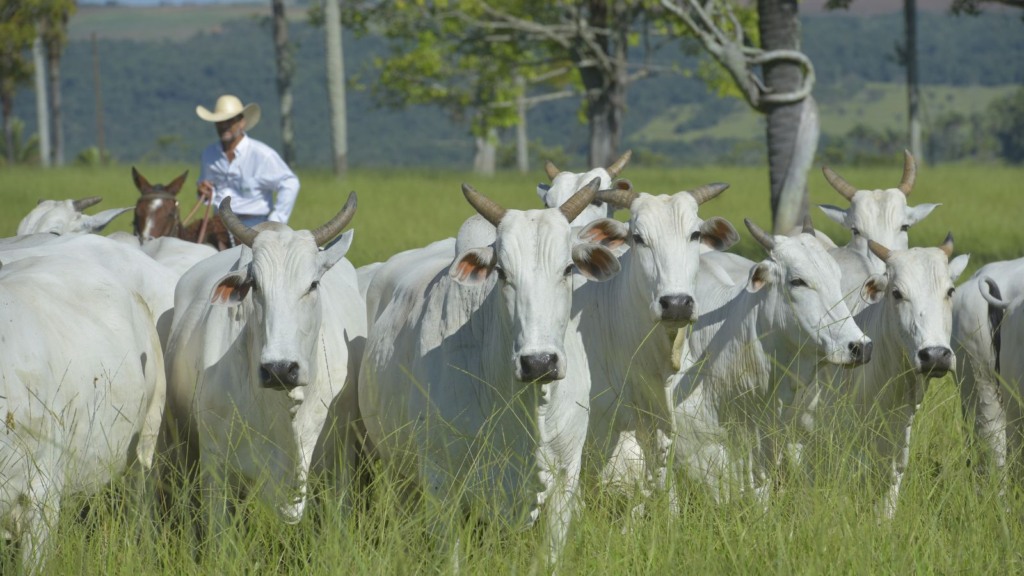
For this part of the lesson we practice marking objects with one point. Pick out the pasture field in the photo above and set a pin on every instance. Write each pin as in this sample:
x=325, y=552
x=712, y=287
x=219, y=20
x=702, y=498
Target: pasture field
x=950, y=520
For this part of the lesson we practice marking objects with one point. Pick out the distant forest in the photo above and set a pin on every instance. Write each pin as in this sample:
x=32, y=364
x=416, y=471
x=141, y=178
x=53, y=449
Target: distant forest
x=150, y=90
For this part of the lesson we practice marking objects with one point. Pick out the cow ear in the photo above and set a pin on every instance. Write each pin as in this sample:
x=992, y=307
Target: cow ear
x=595, y=262
x=336, y=250
x=718, y=233
x=472, y=267
x=957, y=265
x=834, y=213
x=232, y=289
x=607, y=232
x=873, y=288
x=917, y=213
x=99, y=221
x=542, y=193
x=760, y=274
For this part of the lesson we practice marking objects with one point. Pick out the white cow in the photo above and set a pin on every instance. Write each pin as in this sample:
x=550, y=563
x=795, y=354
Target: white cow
x=472, y=388
x=627, y=324
x=81, y=366
x=565, y=184
x=984, y=351
x=909, y=322
x=879, y=215
x=259, y=349
x=754, y=350
x=61, y=217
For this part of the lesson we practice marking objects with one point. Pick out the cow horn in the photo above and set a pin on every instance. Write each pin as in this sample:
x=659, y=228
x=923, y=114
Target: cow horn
x=83, y=203
x=837, y=182
x=947, y=245
x=334, y=226
x=909, y=173
x=489, y=209
x=808, y=225
x=877, y=249
x=619, y=164
x=760, y=235
x=708, y=191
x=240, y=231
x=551, y=169
x=621, y=195
x=572, y=207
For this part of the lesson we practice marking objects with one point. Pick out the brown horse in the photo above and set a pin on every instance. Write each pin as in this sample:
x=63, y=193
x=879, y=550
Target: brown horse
x=157, y=214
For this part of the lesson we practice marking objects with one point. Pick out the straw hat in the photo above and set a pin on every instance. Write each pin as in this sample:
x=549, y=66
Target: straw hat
x=228, y=106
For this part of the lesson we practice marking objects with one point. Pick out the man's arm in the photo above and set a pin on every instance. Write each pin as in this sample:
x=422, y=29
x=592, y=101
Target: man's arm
x=285, y=195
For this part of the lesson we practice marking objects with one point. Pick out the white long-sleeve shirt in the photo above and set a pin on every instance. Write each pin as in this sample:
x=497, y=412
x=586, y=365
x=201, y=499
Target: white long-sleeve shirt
x=251, y=179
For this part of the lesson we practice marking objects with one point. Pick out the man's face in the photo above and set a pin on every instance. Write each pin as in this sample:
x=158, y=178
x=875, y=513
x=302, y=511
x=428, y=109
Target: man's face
x=231, y=129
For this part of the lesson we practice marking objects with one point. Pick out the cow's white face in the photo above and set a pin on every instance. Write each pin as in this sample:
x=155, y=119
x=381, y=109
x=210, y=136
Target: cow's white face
x=566, y=184
x=917, y=293
x=534, y=258
x=665, y=235
x=60, y=217
x=810, y=300
x=281, y=276
x=879, y=215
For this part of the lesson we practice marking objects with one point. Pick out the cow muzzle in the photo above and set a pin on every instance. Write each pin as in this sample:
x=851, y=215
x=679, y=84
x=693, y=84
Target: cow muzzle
x=540, y=367
x=934, y=361
x=281, y=375
x=677, y=308
x=860, y=351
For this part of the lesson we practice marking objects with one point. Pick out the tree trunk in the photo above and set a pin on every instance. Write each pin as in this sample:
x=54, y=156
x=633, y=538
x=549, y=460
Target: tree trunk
x=53, y=55
x=285, y=72
x=605, y=89
x=792, y=129
x=7, y=105
x=42, y=102
x=335, y=63
x=913, y=93
x=522, y=144
x=486, y=153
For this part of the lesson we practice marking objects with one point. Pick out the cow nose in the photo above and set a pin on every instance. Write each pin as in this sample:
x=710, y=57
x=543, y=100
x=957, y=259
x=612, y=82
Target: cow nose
x=283, y=375
x=677, y=307
x=543, y=366
x=861, y=351
x=935, y=360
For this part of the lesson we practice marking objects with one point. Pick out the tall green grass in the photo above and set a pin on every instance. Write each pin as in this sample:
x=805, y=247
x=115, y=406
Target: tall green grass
x=950, y=520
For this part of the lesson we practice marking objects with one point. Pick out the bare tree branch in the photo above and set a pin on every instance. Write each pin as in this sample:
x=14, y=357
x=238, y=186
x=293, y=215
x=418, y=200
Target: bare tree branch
x=737, y=58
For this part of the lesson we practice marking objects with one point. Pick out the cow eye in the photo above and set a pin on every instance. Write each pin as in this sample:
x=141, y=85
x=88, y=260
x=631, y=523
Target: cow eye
x=855, y=231
x=797, y=283
x=501, y=274
x=905, y=227
x=568, y=270
x=314, y=285
x=695, y=237
x=638, y=240
x=897, y=294
x=950, y=292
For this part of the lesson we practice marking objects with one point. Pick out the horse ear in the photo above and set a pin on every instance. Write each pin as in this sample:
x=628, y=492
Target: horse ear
x=175, y=186
x=141, y=183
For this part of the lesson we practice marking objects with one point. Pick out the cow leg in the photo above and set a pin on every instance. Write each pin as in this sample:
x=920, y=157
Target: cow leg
x=39, y=512
x=214, y=486
x=900, y=460
x=561, y=505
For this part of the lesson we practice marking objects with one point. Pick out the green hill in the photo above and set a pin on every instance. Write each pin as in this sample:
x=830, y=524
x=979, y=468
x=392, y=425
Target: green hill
x=157, y=64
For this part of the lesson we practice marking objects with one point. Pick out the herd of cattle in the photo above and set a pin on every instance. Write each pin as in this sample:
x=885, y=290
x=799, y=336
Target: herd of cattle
x=491, y=368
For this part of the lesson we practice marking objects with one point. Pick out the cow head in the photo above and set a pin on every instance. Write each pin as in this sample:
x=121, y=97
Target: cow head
x=806, y=296
x=534, y=258
x=917, y=293
x=565, y=184
x=879, y=215
x=61, y=217
x=665, y=235
x=156, y=210
x=280, y=276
